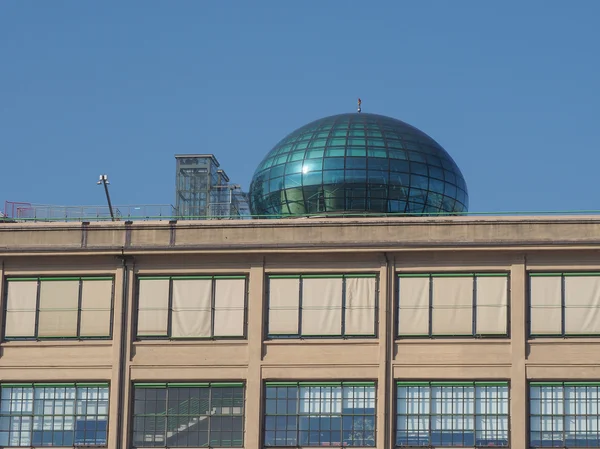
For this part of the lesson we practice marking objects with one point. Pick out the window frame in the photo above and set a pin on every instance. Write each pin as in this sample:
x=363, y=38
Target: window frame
x=169, y=336
x=563, y=415
x=342, y=335
x=171, y=385
x=77, y=386
x=39, y=280
x=431, y=275
x=563, y=308
x=457, y=383
x=297, y=414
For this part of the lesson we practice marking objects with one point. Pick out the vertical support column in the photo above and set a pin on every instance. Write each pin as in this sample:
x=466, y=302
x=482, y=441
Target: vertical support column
x=129, y=311
x=254, y=394
x=115, y=418
x=2, y=299
x=386, y=341
x=518, y=338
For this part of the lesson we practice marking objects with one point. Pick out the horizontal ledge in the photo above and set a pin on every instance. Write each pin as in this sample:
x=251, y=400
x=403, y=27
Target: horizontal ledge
x=321, y=342
x=504, y=247
x=204, y=343
x=55, y=343
x=407, y=341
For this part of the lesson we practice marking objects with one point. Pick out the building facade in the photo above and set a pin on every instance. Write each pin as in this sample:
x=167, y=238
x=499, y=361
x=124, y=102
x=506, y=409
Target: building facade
x=380, y=332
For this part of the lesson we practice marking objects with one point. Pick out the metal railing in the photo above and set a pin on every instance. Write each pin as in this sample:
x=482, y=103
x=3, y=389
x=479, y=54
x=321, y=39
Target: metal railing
x=28, y=212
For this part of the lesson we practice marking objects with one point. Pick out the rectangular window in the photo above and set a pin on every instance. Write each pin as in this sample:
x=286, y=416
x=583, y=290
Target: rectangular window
x=445, y=305
x=322, y=305
x=188, y=415
x=53, y=415
x=464, y=414
x=70, y=307
x=191, y=307
x=564, y=414
x=564, y=304
x=319, y=414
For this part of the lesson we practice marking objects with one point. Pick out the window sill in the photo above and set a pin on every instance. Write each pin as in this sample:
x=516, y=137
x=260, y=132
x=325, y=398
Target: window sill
x=55, y=343
x=167, y=342
x=563, y=340
x=323, y=341
x=452, y=341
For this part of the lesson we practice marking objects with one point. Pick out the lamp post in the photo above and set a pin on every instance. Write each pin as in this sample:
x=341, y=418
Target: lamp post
x=104, y=181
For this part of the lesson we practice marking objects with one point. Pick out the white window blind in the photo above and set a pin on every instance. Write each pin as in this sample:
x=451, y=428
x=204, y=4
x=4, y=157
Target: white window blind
x=153, y=307
x=546, y=304
x=284, y=306
x=192, y=308
x=21, y=309
x=322, y=306
x=492, y=304
x=230, y=296
x=413, y=306
x=452, y=306
x=360, y=306
x=582, y=304
x=59, y=304
x=96, y=305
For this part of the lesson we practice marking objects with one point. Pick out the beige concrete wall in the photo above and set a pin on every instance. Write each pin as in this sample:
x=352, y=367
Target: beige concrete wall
x=383, y=246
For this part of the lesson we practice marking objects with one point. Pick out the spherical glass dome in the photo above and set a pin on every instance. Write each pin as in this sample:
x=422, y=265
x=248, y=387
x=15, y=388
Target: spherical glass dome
x=357, y=164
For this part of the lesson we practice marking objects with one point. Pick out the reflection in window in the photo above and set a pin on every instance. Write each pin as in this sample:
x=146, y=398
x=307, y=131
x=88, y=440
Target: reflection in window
x=362, y=144
x=53, y=415
x=320, y=414
x=564, y=414
x=464, y=414
x=188, y=415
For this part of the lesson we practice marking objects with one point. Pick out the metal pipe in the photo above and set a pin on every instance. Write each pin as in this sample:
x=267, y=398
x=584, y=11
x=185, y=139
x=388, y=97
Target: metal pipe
x=104, y=181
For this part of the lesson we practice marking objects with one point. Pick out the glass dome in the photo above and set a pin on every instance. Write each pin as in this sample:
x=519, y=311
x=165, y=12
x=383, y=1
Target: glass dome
x=357, y=163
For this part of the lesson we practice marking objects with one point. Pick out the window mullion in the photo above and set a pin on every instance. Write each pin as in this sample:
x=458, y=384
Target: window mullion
x=37, y=309
x=79, y=305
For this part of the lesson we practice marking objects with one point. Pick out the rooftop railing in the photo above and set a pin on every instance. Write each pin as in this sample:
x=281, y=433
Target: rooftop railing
x=27, y=212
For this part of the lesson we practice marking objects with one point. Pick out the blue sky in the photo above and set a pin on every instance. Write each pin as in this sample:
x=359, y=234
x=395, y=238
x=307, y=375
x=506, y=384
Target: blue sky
x=511, y=89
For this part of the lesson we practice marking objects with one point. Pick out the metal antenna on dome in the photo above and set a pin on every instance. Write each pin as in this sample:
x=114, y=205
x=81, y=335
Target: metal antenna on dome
x=359, y=103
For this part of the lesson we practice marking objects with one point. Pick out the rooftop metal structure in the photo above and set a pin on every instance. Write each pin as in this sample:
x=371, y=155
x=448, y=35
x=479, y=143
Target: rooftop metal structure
x=203, y=190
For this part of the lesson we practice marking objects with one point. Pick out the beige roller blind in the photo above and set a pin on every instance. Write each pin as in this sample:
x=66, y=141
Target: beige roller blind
x=452, y=312
x=230, y=296
x=413, y=306
x=21, y=309
x=545, y=300
x=322, y=306
x=582, y=304
x=492, y=303
x=360, y=306
x=192, y=308
x=59, y=302
x=153, y=307
x=96, y=303
x=284, y=300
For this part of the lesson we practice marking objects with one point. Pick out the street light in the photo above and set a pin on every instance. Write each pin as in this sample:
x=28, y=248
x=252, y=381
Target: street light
x=104, y=181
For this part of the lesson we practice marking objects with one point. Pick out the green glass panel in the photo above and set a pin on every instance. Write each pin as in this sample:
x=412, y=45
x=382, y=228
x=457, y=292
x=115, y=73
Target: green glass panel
x=359, y=152
x=335, y=152
x=373, y=152
x=314, y=154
